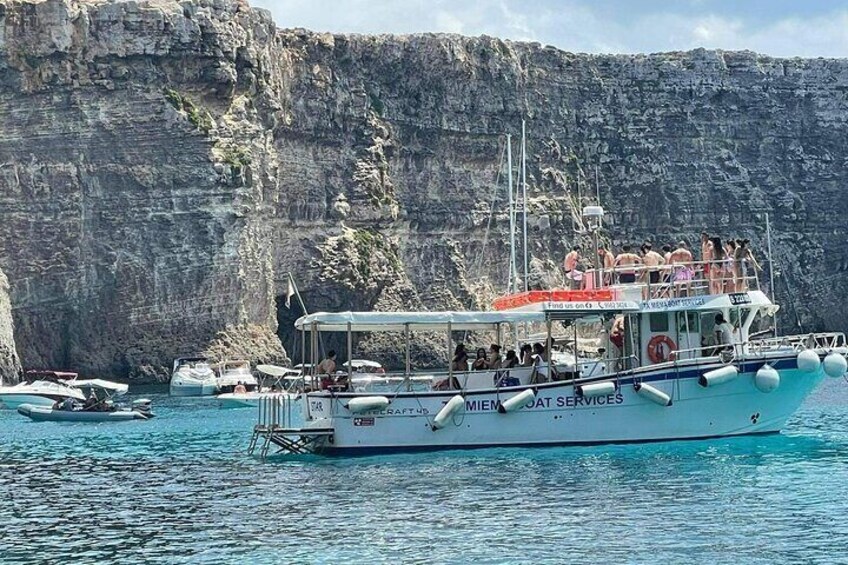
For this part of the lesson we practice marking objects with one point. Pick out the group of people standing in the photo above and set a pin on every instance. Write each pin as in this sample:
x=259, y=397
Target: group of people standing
x=725, y=265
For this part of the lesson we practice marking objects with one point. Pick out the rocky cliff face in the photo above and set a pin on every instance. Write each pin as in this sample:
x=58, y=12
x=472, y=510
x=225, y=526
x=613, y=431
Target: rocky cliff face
x=10, y=365
x=164, y=164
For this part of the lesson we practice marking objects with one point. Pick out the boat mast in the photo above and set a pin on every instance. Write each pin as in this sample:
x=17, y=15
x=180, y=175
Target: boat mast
x=513, y=272
x=524, y=202
x=771, y=268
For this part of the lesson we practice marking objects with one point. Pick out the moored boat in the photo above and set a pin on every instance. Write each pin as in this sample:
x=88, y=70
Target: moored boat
x=284, y=380
x=233, y=373
x=662, y=377
x=140, y=410
x=193, y=376
x=41, y=388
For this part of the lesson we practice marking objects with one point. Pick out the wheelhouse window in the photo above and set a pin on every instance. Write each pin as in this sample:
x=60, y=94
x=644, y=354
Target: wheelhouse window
x=658, y=322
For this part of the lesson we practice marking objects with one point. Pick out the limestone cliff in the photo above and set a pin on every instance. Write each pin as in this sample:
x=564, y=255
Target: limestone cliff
x=164, y=164
x=10, y=365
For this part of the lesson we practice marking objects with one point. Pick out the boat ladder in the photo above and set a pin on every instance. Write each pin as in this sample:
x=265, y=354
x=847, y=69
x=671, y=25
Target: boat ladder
x=274, y=427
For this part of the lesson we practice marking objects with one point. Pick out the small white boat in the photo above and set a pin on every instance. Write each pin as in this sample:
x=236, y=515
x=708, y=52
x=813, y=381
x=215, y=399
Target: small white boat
x=234, y=373
x=193, y=376
x=286, y=380
x=41, y=388
x=140, y=410
x=363, y=366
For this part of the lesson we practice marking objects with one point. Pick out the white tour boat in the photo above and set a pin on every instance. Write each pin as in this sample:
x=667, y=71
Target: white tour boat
x=41, y=388
x=659, y=376
x=193, y=376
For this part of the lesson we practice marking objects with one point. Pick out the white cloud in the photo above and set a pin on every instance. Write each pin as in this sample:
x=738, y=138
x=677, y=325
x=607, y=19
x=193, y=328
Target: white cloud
x=584, y=25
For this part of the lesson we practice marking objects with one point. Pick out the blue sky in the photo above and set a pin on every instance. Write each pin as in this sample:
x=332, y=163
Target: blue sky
x=805, y=28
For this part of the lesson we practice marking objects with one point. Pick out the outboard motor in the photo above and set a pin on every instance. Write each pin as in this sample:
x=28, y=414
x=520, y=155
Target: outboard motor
x=143, y=407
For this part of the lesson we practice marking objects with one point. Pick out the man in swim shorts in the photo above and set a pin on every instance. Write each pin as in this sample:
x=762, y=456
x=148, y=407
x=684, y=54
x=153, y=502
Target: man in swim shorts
x=628, y=260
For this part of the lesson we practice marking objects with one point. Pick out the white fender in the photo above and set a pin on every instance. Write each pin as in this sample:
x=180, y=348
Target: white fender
x=517, y=402
x=766, y=378
x=595, y=389
x=366, y=403
x=835, y=365
x=447, y=411
x=808, y=361
x=718, y=376
x=652, y=393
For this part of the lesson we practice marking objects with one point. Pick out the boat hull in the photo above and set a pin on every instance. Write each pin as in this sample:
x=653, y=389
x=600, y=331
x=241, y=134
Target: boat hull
x=13, y=401
x=558, y=415
x=183, y=388
x=238, y=400
x=42, y=414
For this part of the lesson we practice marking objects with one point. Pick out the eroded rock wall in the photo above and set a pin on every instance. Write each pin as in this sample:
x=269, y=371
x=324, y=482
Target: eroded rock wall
x=164, y=164
x=10, y=364
x=133, y=179
x=408, y=132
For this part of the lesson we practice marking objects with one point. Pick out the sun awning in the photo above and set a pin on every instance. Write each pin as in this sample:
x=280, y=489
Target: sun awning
x=417, y=321
x=116, y=388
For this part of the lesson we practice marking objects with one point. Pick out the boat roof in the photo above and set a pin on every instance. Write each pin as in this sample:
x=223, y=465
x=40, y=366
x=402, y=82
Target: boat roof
x=41, y=373
x=100, y=384
x=276, y=371
x=417, y=321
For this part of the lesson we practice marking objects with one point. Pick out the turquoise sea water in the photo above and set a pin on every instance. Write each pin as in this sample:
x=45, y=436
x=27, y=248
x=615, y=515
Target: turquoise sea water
x=180, y=488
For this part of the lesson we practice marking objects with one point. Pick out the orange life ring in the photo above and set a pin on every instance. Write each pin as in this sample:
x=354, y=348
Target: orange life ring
x=660, y=348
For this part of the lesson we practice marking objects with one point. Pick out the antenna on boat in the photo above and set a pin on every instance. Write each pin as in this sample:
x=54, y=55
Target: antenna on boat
x=513, y=272
x=593, y=216
x=771, y=267
x=524, y=202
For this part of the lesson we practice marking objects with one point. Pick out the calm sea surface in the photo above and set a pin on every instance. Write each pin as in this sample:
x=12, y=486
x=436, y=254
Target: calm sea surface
x=180, y=488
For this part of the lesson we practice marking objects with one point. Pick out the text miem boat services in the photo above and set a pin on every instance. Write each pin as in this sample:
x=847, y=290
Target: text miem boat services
x=662, y=383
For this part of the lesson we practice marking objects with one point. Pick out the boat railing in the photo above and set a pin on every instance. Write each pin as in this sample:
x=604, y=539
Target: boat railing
x=275, y=412
x=823, y=340
x=694, y=278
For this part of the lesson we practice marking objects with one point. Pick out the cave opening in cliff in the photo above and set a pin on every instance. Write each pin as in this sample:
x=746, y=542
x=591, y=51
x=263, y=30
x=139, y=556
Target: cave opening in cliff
x=287, y=315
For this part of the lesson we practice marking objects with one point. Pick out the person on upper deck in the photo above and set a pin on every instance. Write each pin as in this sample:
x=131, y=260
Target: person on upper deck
x=607, y=262
x=681, y=259
x=480, y=363
x=743, y=258
x=706, y=253
x=493, y=359
x=627, y=259
x=653, y=261
x=572, y=275
x=240, y=388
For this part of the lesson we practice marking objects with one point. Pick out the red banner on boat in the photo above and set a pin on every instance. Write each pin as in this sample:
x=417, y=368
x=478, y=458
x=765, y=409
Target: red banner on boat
x=557, y=295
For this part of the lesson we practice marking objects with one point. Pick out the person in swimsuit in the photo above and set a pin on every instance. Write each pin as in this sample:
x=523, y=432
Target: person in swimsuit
x=607, y=261
x=628, y=260
x=742, y=259
x=681, y=259
x=730, y=266
x=706, y=253
x=570, y=265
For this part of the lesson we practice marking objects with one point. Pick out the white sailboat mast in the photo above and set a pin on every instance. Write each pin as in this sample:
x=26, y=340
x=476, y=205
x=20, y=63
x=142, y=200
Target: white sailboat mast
x=524, y=203
x=513, y=283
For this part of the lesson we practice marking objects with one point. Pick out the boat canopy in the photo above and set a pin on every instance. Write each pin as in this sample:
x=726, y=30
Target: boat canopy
x=88, y=384
x=276, y=371
x=417, y=321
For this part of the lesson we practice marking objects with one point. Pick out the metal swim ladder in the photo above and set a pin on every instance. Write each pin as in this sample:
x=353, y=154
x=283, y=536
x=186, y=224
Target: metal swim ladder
x=274, y=425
